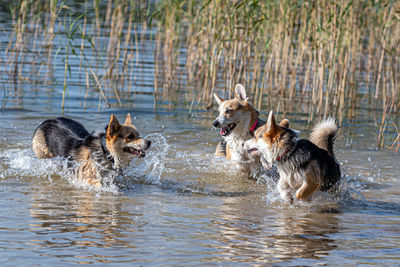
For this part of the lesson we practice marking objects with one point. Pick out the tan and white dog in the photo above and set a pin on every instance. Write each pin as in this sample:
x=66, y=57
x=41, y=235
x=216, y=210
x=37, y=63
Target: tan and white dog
x=237, y=120
x=304, y=166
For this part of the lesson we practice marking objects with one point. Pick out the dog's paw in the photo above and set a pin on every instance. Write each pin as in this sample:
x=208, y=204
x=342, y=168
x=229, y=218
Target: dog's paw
x=287, y=197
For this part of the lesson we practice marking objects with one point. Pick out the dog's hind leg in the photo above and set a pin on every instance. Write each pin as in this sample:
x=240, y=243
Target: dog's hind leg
x=311, y=181
x=40, y=146
x=306, y=190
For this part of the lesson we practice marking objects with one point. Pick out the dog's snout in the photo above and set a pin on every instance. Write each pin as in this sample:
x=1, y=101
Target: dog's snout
x=216, y=123
x=148, y=143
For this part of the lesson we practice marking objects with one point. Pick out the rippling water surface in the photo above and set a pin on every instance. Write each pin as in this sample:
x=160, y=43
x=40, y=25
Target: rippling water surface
x=181, y=205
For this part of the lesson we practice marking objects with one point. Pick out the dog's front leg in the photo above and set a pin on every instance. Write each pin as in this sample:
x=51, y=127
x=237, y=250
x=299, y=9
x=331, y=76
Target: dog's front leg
x=284, y=190
x=88, y=173
x=221, y=149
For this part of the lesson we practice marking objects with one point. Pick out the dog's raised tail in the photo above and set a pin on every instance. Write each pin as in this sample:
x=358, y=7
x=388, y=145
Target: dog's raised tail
x=324, y=133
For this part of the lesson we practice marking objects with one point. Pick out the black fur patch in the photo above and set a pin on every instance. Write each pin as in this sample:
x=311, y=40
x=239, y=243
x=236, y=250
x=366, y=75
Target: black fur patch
x=305, y=152
x=63, y=136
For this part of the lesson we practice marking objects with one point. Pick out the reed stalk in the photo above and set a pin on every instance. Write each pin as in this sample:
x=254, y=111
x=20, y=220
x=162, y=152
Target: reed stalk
x=314, y=57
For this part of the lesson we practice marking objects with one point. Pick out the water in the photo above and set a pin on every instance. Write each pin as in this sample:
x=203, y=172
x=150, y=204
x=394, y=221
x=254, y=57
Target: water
x=181, y=205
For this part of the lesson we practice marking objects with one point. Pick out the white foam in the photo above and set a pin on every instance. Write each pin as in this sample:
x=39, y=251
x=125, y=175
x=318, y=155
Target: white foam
x=22, y=164
x=150, y=167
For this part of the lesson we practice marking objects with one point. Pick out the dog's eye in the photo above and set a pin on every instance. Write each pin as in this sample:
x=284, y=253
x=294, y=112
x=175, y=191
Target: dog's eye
x=131, y=136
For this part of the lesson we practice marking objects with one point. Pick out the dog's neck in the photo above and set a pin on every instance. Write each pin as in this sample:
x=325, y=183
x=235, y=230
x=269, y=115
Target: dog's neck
x=240, y=135
x=280, y=158
x=117, y=163
x=253, y=127
x=254, y=121
x=106, y=152
x=245, y=133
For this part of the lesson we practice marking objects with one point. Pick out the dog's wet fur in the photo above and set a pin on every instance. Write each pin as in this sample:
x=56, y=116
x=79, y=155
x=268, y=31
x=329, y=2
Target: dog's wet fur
x=237, y=121
x=304, y=166
x=100, y=157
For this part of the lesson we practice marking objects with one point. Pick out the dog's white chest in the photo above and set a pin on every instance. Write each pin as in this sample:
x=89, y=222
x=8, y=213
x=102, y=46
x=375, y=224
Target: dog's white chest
x=236, y=146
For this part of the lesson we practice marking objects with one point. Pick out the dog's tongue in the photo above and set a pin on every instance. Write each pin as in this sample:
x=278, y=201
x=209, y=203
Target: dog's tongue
x=224, y=131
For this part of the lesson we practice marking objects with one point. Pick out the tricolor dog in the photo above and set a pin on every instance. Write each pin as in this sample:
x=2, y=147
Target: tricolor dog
x=304, y=166
x=98, y=155
x=237, y=121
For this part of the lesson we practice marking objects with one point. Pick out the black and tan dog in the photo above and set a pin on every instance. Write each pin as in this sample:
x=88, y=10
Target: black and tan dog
x=304, y=166
x=237, y=120
x=99, y=156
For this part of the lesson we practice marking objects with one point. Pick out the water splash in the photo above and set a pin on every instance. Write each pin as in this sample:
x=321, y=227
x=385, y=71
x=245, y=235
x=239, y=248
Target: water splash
x=344, y=194
x=150, y=168
x=23, y=165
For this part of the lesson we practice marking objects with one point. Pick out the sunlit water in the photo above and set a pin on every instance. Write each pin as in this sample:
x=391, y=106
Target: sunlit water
x=181, y=205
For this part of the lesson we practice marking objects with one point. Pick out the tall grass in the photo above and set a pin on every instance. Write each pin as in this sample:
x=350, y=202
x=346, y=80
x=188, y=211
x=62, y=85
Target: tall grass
x=279, y=48
x=96, y=34
x=319, y=58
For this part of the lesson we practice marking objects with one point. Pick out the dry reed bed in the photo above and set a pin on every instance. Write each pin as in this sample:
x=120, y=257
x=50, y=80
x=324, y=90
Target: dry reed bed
x=96, y=41
x=322, y=54
x=315, y=57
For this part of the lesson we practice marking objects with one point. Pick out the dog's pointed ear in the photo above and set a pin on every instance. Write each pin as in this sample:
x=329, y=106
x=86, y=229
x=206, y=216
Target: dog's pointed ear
x=240, y=92
x=284, y=123
x=218, y=99
x=128, y=120
x=271, y=125
x=113, y=126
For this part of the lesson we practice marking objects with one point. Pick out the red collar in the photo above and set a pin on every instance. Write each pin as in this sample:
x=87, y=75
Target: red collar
x=279, y=158
x=253, y=127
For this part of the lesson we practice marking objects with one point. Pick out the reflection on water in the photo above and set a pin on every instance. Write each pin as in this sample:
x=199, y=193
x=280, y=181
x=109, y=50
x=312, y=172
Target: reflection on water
x=273, y=237
x=181, y=205
x=80, y=220
x=85, y=222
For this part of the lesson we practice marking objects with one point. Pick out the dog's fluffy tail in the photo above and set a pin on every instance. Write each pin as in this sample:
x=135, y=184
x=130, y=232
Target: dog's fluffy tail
x=323, y=135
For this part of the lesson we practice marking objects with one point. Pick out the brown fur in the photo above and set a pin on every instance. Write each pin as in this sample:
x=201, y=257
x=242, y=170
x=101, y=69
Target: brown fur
x=87, y=171
x=275, y=135
x=121, y=140
x=243, y=115
x=303, y=166
x=40, y=147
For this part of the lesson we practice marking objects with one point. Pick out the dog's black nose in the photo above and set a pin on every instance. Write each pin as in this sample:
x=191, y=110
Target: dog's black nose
x=148, y=143
x=216, y=123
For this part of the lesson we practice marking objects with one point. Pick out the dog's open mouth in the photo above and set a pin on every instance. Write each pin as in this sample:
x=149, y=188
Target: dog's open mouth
x=138, y=153
x=228, y=129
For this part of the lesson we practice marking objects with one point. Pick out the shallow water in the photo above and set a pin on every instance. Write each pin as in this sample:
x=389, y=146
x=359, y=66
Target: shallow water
x=181, y=205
